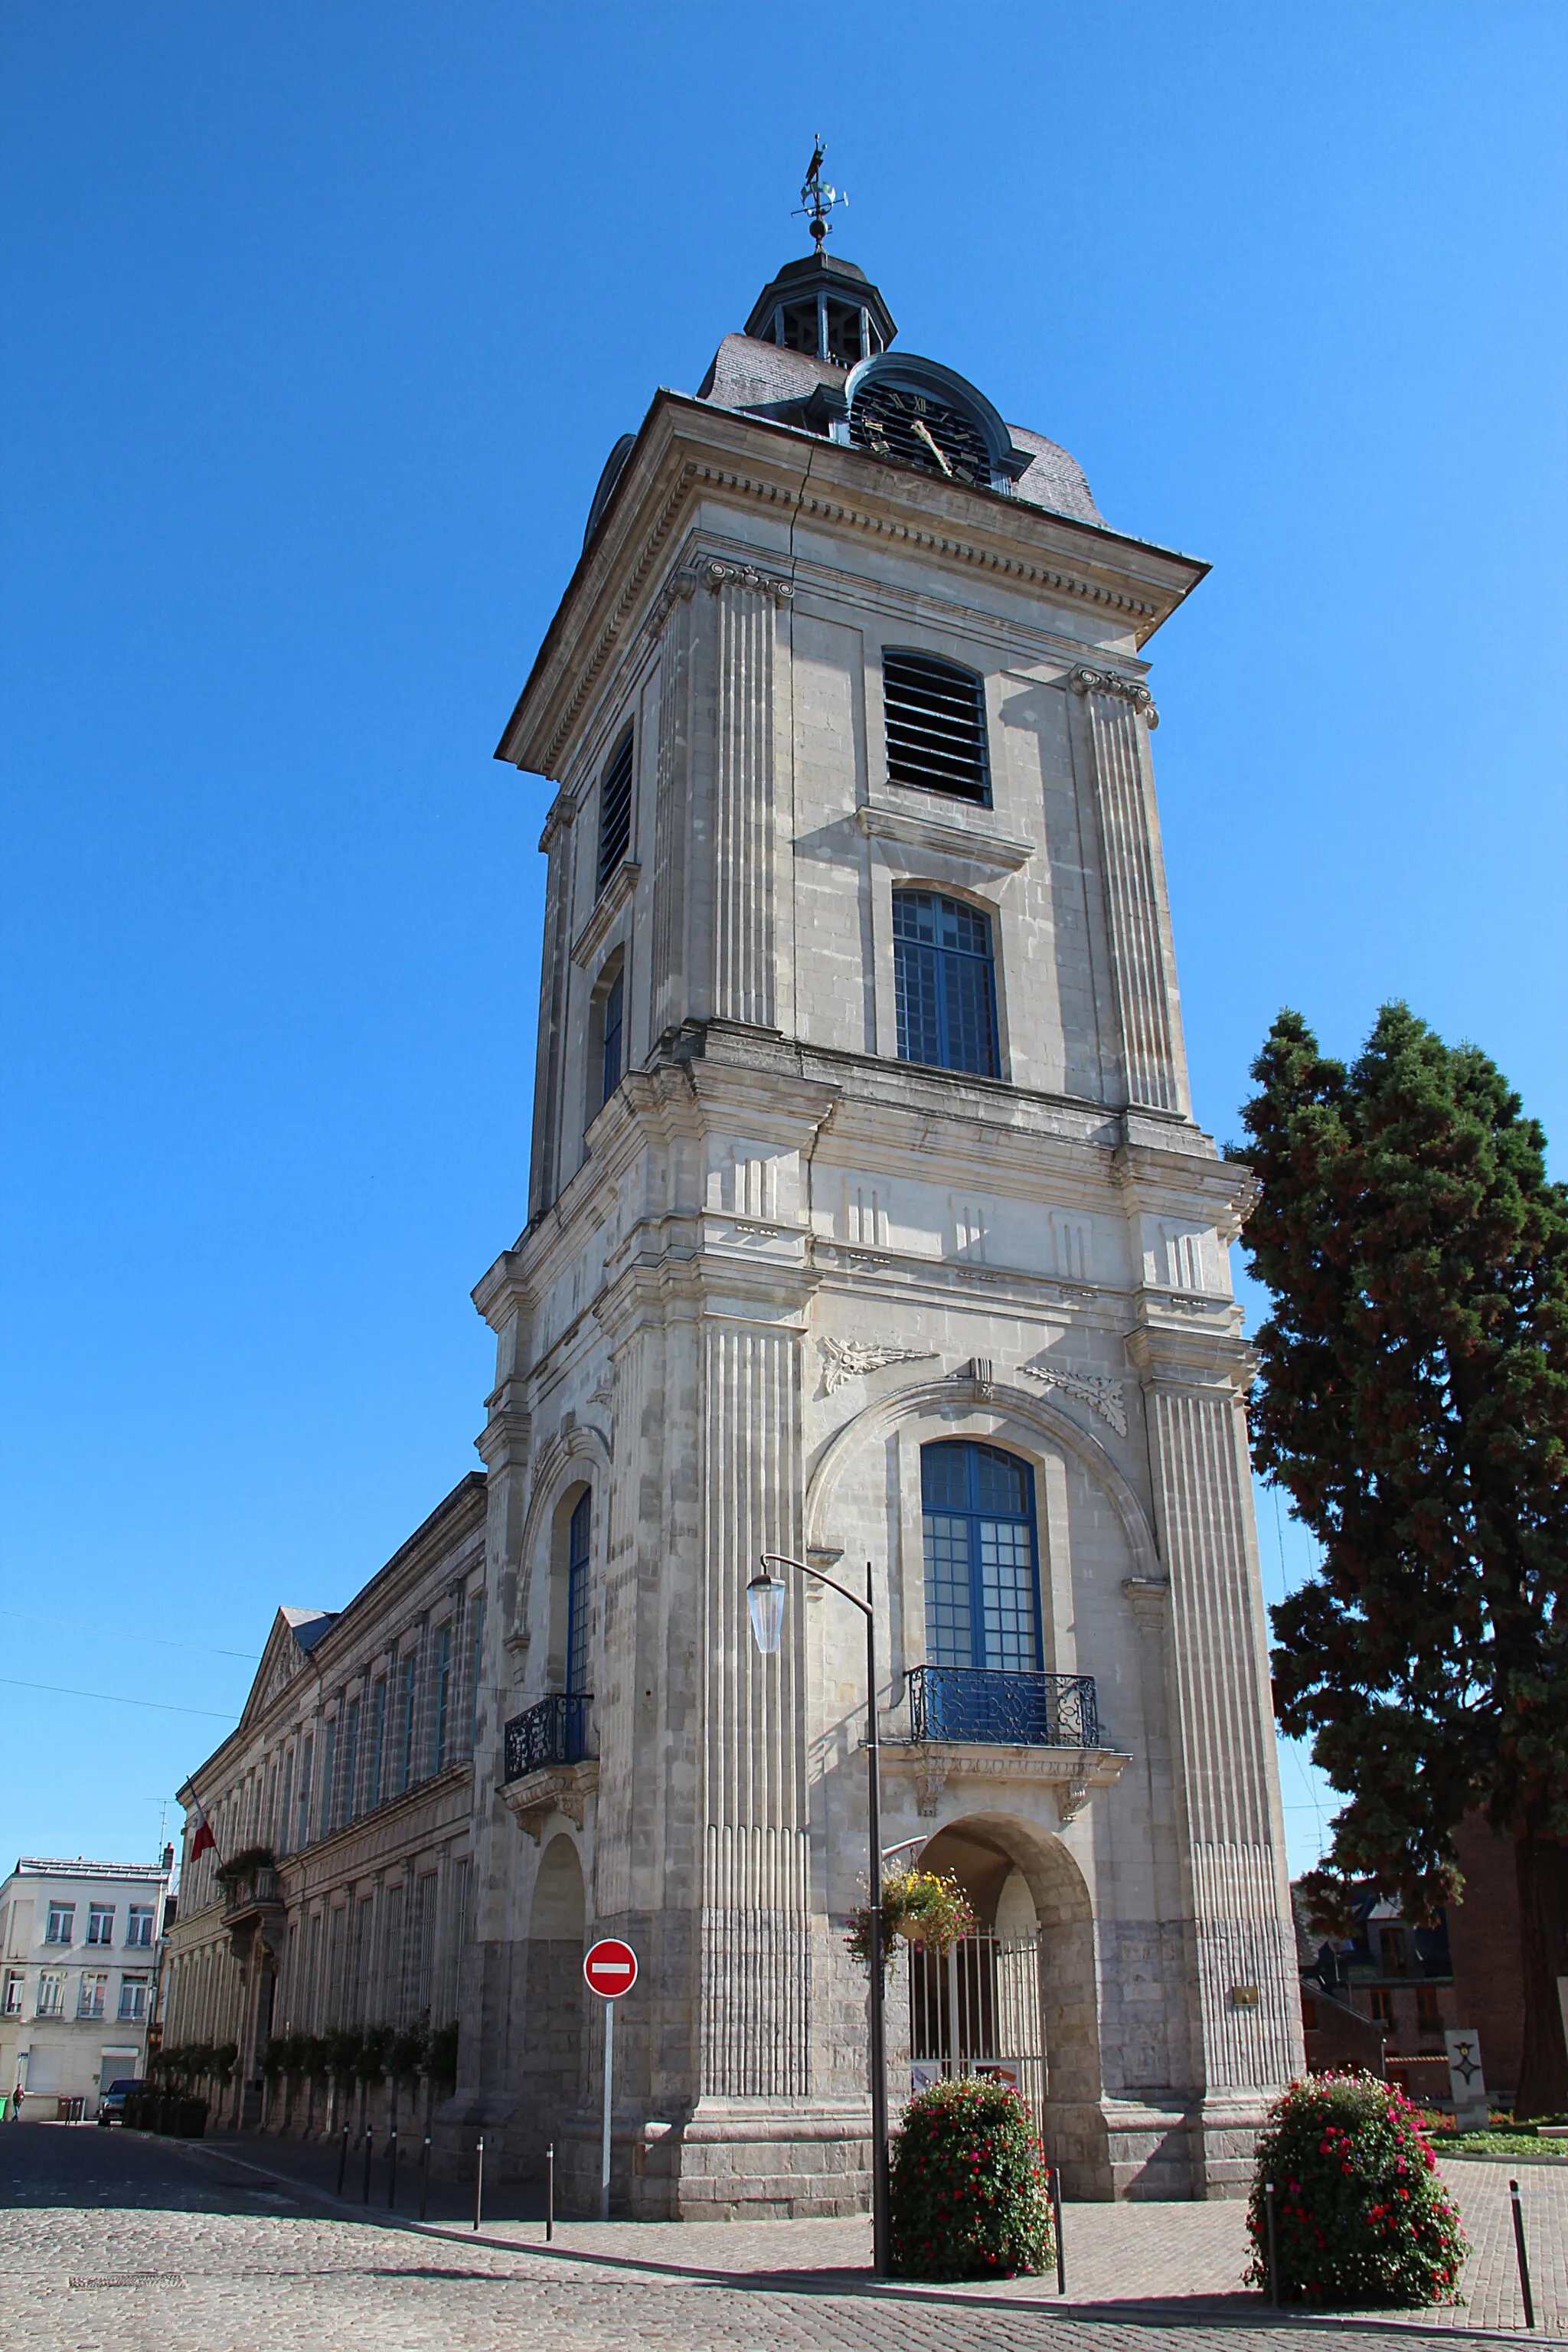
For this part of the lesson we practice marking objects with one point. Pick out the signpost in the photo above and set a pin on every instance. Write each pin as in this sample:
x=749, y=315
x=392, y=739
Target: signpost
x=609, y=1969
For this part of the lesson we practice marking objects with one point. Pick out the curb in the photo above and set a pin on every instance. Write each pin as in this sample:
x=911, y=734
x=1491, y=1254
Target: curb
x=1192, y=2313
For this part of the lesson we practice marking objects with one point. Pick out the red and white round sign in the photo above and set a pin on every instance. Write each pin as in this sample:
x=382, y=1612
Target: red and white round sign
x=610, y=1968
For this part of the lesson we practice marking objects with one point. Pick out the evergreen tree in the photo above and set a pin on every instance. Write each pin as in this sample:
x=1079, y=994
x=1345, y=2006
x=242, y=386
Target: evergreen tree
x=1413, y=1399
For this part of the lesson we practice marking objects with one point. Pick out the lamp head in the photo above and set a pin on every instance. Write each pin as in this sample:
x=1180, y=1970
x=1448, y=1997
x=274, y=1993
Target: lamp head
x=765, y=1599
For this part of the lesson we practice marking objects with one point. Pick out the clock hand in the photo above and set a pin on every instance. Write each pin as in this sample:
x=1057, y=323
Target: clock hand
x=926, y=435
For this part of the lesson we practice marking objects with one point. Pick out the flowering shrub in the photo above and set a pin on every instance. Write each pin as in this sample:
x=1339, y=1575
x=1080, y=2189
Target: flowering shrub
x=924, y=1906
x=1360, y=2215
x=969, y=2197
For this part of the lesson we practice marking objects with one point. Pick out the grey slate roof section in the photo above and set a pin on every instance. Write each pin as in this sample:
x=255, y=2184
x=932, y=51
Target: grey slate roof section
x=759, y=379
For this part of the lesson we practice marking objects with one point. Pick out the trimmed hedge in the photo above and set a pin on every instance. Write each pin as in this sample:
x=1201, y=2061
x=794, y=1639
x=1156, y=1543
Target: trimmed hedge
x=970, y=2195
x=1360, y=2217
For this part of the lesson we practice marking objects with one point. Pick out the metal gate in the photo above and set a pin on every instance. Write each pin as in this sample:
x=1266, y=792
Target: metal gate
x=976, y=2010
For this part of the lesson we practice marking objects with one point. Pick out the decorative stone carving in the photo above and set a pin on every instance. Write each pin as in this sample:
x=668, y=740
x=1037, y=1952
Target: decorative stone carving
x=845, y=1360
x=1102, y=1395
x=1125, y=689
x=561, y=1789
x=715, y=575
x=1071, y=1800
x=1147, y=1597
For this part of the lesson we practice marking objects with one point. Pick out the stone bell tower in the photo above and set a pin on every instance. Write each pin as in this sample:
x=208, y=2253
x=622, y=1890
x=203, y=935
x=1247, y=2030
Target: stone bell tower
x=867, y=1216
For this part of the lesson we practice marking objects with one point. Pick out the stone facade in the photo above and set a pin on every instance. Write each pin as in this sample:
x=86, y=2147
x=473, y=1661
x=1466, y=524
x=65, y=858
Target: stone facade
x=80, y=1944
x=336, y=1890
x=768, y=1261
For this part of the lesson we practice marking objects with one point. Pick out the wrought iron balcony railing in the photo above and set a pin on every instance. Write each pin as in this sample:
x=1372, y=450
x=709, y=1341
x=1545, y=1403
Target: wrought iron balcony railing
x=553, y=1732
x=970, y=1703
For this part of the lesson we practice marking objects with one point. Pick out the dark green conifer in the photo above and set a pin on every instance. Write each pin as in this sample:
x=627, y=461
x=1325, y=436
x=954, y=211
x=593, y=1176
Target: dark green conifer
x=1412, y=1401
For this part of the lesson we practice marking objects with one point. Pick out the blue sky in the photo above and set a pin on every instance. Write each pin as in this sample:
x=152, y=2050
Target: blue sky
x=318, y=324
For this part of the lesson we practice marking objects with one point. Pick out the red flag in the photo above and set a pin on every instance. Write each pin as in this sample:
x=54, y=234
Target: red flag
x=203, y=1838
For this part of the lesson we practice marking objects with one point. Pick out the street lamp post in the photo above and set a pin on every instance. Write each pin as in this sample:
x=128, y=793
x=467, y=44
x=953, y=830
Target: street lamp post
x=765, y=1599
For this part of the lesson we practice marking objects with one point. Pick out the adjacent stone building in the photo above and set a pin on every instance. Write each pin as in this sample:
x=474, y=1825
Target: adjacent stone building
x=869, y=1220
x=334, y=1890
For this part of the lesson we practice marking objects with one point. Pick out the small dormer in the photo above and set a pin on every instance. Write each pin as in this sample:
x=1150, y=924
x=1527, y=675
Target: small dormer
x=824, y=307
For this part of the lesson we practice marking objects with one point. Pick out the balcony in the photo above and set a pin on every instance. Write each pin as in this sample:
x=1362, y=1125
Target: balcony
x=553, y=1732
x=969, y=1724
x=971, y=1704
x=253, y=1907
x=549, y=1767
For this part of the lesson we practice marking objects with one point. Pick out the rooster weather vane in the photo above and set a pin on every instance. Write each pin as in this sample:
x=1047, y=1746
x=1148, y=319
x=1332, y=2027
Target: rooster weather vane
x=817, y=199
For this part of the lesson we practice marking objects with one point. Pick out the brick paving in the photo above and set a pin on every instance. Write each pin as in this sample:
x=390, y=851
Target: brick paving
x=112, y=2240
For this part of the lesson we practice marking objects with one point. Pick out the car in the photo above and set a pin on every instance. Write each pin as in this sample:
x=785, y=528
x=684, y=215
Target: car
x=112, y=2102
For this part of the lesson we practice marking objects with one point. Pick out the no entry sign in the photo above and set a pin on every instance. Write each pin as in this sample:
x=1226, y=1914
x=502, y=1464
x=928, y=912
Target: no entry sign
x=610, y=1969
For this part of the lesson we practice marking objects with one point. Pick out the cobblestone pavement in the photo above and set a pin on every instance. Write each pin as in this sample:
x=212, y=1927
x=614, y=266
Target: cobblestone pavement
x=109, y=2240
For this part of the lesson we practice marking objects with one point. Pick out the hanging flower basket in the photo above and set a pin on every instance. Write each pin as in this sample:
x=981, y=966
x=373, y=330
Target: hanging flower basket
x=923, y=1907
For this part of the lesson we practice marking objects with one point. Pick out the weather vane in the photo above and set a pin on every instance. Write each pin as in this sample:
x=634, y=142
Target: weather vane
x=817, y=199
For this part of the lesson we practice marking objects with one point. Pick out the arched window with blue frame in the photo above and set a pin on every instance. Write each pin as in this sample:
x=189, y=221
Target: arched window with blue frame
x=944, y=984
x=577, y=1540
x=981, y=1574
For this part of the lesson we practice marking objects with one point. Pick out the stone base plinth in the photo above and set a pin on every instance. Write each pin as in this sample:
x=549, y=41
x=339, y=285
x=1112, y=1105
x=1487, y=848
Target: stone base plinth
x=731, y=2160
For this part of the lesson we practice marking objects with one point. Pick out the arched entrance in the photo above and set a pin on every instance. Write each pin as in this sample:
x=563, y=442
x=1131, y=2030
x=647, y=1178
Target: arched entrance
x=555, y=1996
x=1018, y=1999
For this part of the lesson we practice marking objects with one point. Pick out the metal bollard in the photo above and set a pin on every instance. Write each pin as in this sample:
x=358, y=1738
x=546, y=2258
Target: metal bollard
x=549, y=2192
x=1524, y=2257
x=1273, y=2251
x=392, y=2170
x=479, y=2182
x=424, y=2175
x=1057, y=2226
x=342, y=2159
x=369, y=2147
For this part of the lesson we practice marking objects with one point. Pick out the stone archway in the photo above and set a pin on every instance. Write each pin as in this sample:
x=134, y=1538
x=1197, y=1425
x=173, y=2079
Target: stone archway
x=990, y=1853
x=555, y=1999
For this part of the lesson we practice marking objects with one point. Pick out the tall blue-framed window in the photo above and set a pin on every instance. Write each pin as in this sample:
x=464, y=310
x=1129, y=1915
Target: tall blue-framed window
x=577, y=1536
x=945, y=983
x=981, y=1562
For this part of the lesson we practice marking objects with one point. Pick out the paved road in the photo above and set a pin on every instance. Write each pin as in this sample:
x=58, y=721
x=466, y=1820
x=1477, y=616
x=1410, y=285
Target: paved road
x=111, y=2240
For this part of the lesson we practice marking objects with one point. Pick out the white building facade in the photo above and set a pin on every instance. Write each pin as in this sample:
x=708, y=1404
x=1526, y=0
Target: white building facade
x=80, y=1944
x=868, y=1222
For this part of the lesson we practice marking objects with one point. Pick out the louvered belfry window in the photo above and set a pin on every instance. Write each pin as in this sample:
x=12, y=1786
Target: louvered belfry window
x=614, y=815
x=936, y=726
x=944, y=983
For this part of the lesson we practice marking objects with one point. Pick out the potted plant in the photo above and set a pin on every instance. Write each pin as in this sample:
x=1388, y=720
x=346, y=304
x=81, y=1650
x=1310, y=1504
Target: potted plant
x=1360, y=2217
x=970, y=2192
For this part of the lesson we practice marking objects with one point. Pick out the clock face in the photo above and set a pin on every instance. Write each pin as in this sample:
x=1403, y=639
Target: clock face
x=917, y=430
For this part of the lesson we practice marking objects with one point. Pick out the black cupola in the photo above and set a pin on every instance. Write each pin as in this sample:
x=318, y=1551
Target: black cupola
x=826, y=307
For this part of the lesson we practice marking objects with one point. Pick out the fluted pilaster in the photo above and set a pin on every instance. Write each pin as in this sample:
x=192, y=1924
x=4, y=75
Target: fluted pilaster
x=755, y=1956
x=1119, y=712
x=1227, y=1769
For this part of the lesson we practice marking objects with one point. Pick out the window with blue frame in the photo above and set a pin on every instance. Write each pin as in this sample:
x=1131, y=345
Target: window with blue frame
x=577, y=1536
x=944, y=984
x=982, y=1587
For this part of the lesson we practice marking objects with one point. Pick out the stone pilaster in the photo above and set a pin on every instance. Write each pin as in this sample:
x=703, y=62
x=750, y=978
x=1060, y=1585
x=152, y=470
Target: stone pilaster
x=1245, y=2023
x=557, y=842
x=756, y=1915
x=1119, y=712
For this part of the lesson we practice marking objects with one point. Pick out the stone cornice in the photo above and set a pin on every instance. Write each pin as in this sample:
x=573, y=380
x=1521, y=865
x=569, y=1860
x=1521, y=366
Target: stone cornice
x=679, y=456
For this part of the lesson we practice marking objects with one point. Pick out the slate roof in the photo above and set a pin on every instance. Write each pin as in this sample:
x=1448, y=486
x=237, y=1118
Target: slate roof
x=759, y=379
